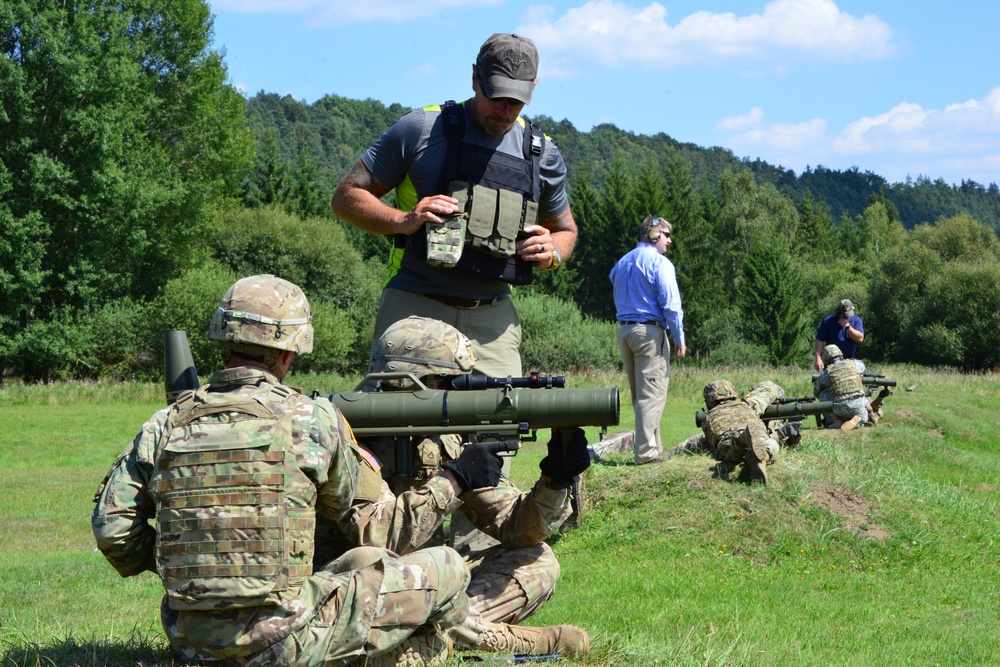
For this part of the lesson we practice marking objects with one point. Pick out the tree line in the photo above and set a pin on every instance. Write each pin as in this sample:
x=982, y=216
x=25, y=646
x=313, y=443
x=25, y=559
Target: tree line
x=136, y=185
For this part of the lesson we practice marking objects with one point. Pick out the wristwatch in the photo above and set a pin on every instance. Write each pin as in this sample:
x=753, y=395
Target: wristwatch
x=556, y=260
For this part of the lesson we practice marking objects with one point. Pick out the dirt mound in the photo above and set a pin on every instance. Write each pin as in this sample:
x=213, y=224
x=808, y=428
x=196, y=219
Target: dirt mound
x=852, y=508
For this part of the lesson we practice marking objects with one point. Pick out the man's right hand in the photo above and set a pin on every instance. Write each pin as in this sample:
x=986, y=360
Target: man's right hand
x=819, y=365
x=478, y=466
x=429, y=209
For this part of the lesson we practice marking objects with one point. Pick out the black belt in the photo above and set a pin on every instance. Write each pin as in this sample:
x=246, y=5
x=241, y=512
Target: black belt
x=647, y=322
x=462, y=302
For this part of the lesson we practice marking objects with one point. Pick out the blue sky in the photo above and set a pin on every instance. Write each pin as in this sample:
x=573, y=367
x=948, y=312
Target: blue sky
x=899, y=88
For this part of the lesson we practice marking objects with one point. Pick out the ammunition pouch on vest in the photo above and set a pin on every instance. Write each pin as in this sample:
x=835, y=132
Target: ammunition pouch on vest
x=498, y=193
x=231, y=531
x=845, y=381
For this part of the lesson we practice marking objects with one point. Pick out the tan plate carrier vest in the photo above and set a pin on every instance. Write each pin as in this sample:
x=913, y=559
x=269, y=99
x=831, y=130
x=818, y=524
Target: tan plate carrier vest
x=230, y=530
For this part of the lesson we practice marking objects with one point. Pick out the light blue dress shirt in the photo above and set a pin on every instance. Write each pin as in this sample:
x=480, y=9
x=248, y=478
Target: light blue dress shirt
x=646, y=290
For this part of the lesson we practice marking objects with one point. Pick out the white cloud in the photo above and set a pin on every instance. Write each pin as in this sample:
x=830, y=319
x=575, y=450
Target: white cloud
x=610, y=33
x=752, y=118
x=967, y=128
x=339, y=12
x=961, y=141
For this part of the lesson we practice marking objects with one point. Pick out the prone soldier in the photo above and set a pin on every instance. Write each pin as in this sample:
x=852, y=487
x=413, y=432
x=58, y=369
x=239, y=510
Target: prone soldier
x=733, y=431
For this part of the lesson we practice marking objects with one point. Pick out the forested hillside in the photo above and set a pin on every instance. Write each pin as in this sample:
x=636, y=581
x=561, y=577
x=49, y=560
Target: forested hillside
x=333, y=131
x=136, y=185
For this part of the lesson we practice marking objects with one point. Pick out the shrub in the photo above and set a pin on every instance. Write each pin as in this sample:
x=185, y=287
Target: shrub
x=557, y=338
x=188, y=303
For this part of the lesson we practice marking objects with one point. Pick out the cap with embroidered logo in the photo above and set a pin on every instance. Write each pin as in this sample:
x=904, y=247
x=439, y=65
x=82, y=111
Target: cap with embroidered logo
x=507, y=66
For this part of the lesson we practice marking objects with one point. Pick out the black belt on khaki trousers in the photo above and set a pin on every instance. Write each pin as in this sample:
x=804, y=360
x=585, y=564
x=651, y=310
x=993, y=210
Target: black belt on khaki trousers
x=647, y=322
x=463, y=302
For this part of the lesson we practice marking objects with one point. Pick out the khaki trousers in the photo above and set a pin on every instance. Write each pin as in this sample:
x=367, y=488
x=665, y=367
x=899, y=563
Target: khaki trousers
x=493, y=328
x=645, y=353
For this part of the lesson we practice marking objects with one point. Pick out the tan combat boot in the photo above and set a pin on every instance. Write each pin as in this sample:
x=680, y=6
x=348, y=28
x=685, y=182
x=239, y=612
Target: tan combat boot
x=851, y=423
x=566, y=640
x=417, y=651
x=757, y=468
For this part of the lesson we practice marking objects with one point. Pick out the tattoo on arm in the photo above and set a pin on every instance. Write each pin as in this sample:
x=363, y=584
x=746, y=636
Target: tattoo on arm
x=360, y=177
x=561, y=223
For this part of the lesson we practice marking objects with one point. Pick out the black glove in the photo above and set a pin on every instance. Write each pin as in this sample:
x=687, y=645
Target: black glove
x=478, y=466
x=568, y=455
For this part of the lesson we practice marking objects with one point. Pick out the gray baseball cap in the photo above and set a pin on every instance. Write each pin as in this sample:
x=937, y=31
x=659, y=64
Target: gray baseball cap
x=507, y=66
x=846, y=308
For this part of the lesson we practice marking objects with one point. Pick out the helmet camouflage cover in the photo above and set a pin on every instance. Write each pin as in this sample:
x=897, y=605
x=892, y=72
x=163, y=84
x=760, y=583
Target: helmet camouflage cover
x=263, y=312
x=718, y=391
x=424, y=347
x=831, y=352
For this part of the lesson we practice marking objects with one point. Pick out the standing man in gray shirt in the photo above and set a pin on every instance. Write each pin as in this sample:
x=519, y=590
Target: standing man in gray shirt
x=473, y=174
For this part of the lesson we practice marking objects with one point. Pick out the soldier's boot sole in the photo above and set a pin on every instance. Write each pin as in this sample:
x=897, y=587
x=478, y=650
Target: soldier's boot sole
x=757, y=468
x=417, y=651
x=851, y=423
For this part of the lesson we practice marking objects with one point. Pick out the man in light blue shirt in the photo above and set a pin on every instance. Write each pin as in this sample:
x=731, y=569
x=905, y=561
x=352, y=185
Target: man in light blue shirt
x=648, y=307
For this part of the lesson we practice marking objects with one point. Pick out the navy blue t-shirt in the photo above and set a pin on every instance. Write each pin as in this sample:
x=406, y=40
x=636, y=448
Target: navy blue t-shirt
x=831, y=333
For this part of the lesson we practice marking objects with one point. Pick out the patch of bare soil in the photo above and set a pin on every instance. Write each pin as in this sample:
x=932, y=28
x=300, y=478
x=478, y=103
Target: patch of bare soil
x=904, y=415
x=852, y=508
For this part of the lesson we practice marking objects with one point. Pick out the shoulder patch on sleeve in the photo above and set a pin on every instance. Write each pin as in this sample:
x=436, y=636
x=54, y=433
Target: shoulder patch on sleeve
x=369, y=479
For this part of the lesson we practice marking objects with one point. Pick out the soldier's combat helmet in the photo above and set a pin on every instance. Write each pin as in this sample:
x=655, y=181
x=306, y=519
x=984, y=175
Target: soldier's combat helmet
x=424, y=347
x=261, y=316
x=831, y=352
x=718, y=391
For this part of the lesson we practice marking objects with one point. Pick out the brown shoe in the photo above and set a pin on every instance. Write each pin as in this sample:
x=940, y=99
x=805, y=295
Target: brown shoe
x=851, y=423
x=417, y=651
x=758, y=469
x=566, y=640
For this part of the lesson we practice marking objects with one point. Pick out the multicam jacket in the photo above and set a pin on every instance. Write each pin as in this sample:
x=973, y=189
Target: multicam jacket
x=840, y=381
x=410, y=520
x=726, y=420
x=233, y=476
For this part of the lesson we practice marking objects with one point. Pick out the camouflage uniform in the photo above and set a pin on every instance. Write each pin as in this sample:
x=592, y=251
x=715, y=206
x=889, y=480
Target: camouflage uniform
x=515, y=576
x=841, y=382
x=510, y=580
x=234, y=476
x=757, y=400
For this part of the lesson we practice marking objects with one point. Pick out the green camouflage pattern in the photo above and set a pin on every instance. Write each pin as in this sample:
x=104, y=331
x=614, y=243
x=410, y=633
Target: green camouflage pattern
x=330, y=617
x=263, y=311
x=829, y=353
x=226, y=539
x=446, y=241
x=717, y=391
x=762, y=395
x=510, y=581
x=423, y=346
x=733, y=427
x=844, y=380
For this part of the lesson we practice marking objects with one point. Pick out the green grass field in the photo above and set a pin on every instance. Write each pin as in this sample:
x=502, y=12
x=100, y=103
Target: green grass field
x=876, y=547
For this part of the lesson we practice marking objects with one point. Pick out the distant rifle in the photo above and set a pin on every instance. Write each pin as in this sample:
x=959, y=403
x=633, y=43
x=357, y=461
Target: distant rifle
x=509, y=409
x=788, y=409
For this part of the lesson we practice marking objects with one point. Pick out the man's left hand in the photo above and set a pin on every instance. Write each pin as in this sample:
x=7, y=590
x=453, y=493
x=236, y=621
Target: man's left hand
x=537, y=246
x=680, y=351
x=568, y=455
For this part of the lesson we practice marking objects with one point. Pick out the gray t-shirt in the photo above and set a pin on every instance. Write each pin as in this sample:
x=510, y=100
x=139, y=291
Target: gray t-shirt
x=410, y=156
